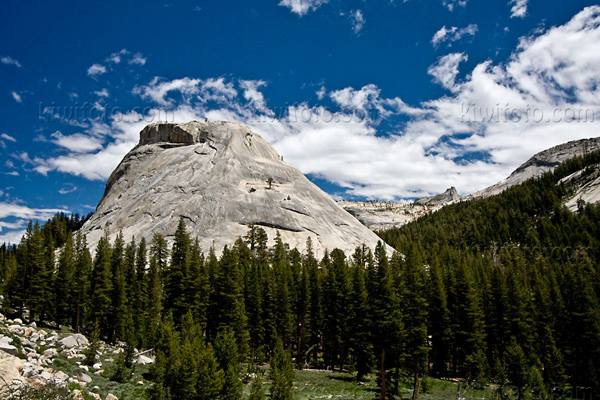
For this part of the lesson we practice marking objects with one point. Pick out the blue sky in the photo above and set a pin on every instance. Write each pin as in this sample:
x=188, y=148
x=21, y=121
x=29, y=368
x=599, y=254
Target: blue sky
x=381, y=99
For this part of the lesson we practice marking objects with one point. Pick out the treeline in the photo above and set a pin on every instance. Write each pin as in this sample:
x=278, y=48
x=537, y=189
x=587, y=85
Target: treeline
x=517, y=284
x=364, y=313
x=465, y=296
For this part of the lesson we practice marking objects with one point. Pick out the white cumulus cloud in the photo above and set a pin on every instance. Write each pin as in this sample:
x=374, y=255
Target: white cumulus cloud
x=379, y=147
x=8, y=60
x=451, y=4
x=445, y=70
x=453, y=34
x=358, y=20
x=96, y=69
x=17, y=97
x=8, y=137
x=302, y=7
x=519, y=8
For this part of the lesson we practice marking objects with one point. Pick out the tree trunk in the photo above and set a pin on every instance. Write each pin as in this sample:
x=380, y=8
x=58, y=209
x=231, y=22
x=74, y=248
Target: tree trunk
x=383, y=377
x=417, y=382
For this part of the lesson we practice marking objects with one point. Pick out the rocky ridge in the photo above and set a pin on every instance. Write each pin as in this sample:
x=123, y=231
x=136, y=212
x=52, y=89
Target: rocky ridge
x=448, y=197
x=220, y=177
x=539, y=164
x=380, y=215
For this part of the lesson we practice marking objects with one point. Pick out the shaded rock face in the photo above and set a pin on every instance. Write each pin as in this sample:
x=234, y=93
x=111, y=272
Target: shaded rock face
x=541, y=163
x=216, y=176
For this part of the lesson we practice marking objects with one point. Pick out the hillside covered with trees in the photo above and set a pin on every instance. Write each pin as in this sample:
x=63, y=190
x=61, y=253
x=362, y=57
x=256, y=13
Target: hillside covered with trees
x=502, y=290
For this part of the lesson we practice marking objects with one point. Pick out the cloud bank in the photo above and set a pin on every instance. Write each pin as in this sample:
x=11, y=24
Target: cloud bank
x=376, y=147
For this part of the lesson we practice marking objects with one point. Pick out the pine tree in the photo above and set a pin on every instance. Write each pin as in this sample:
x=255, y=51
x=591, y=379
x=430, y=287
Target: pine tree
x=139, y=294
x=414, y=302
x=228, y=300
x=283, y=281
x=101, y=287
x=228, y=357
x=257, y=392
x=176, y=273
x=360, y=341
x=439, y=321
x=81, y=280
x=311, y=266
x=198, y=285
x=387, y=323
x=119, y=290
x=64, y=285
x=282, y=373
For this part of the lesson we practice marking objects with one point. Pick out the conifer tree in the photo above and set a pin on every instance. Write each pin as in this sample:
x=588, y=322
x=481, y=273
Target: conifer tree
x=228, y=357
x=311, y=266
x=283, y=281
x=360, y=341
x=257, y=392
x=439, y=321
x=158, y=261
x=139, y=293
x=176, y=273
x=198, y=285
x=81, y=280
x=101, y=287
x=387, y=323
x=119, y=290
x=414, y=307
x=282, y=373
x=64, y=285
x=228, y=300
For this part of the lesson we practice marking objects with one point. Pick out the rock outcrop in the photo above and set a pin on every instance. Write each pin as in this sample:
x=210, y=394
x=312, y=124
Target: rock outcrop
x=380, y=215
x=220, y=177
x=541, y=163
x=448, y=197
x=30, y=361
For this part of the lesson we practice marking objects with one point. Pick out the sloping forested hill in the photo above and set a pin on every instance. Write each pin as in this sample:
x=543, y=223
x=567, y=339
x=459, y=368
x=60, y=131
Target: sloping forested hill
x=503, y=290
x=514, y=283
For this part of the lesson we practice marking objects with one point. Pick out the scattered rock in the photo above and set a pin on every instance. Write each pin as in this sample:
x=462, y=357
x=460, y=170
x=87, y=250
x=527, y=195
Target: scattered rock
x=97, y=366
x=61, y=376
x=77, y=395
x=16, y=329
x=99, y=372
x=50, y=353
x=10, y=371
x=143, y=360
x=18, y=321
x=72, y=341
x=47, y=375
x=111, y=396
x=9, y=348
x=85, y=378
x=6, y=340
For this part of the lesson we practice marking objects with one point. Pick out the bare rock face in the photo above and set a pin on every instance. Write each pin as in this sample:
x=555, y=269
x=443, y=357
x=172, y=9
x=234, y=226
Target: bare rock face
x=449, y=196
x=541, y=163
x=380, y=215
x=220, y=177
